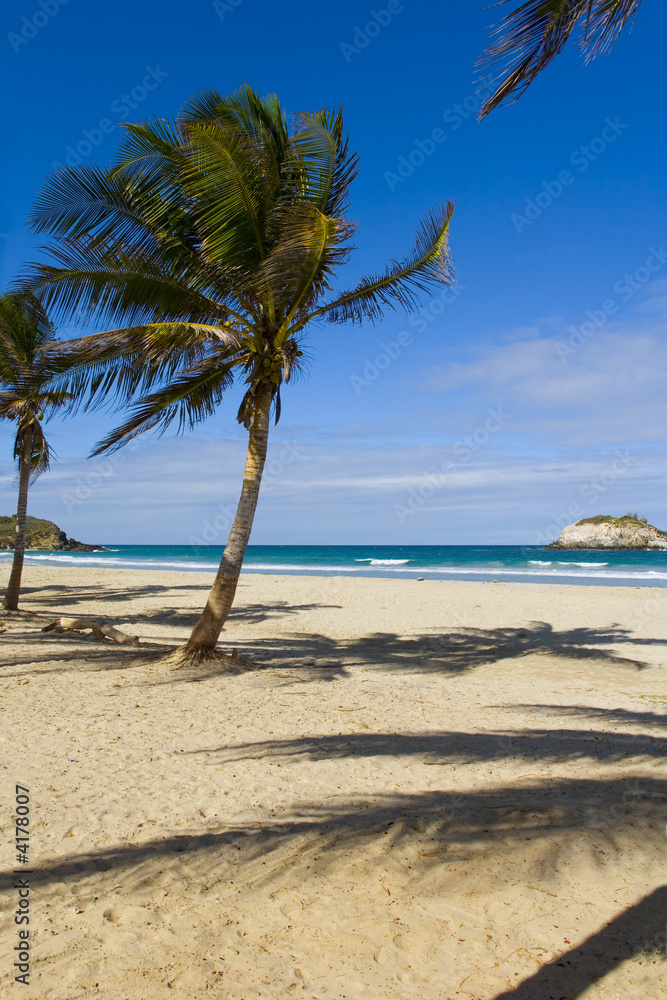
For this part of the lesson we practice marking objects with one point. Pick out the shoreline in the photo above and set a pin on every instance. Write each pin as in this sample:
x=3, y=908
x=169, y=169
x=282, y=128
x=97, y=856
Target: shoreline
x=456, y=576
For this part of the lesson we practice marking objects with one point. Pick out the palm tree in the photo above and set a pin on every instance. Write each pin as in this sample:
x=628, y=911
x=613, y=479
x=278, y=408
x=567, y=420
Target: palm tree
x=214, y=241
x=525, y=41
x=32, y=367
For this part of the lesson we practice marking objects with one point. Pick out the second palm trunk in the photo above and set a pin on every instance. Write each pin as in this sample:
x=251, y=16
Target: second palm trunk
x=11, y=601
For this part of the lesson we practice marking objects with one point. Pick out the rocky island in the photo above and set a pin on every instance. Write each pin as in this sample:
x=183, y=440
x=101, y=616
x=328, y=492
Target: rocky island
x=42, y=536
x=606, y=532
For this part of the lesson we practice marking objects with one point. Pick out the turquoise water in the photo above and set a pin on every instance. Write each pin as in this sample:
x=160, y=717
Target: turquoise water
x=523, y=563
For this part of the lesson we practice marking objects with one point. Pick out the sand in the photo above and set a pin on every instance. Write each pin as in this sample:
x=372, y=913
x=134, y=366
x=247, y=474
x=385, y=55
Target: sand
x=415, y=790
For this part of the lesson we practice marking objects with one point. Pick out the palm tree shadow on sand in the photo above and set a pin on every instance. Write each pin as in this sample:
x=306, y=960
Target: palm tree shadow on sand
x=479, y=824
x=452, y=652
x=444, y=830
x=637, y=930
x=310, y=656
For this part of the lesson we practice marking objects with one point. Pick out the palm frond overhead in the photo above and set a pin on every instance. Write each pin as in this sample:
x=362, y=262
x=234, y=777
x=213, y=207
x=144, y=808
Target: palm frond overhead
x=120, y=287
x=525, y=41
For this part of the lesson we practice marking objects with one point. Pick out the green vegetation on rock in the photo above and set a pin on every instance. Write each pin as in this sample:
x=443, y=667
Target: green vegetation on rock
x=629, y=518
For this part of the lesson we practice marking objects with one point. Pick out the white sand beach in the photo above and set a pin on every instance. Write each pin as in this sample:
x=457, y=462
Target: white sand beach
x=414, y=790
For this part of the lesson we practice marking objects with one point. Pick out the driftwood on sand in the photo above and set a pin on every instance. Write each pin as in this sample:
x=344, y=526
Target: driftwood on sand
x=97, y=629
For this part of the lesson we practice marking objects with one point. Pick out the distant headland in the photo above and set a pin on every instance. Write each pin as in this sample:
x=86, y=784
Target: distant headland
x=42, y=536
x=606, y=532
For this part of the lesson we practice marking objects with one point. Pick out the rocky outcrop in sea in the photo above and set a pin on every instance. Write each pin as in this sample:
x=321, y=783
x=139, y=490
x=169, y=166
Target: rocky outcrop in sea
x=42, y=536
x=606, y=532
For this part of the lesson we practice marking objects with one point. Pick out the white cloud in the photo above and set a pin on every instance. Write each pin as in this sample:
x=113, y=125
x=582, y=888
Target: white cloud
x=607, y=391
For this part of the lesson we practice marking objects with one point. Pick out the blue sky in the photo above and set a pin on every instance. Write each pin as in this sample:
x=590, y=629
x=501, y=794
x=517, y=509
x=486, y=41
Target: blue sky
x=532, y=396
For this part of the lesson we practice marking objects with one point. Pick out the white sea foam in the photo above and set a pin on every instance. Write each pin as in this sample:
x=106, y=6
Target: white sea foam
x=582, y=564
x=575, y=573
x=389, y=562
x=384, y=562
x=561, y=562
x=120, y=563
x=536, y=569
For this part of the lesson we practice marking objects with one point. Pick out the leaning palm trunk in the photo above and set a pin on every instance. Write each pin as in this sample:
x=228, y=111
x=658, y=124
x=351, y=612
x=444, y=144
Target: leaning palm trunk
x=201, y=644
x=11, y=601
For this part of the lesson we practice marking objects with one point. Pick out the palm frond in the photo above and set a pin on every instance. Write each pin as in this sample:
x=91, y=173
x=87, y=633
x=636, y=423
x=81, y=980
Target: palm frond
x=243, y=113
x=29, y=432
x=524, y=42
x=93, y=203
x=156, y=146
x=9, y=405
x=300, y=267
x=402, y=282
x=131, y=360
x=328, y=166
x=24, y=329
x=604, y=23
x=54, y=399
x=190, y=398
x=117, y=284
x=231, y=181
x=40, y=459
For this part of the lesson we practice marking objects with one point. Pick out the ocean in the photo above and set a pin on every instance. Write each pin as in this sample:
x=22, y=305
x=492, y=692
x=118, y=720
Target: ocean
x=518, y=563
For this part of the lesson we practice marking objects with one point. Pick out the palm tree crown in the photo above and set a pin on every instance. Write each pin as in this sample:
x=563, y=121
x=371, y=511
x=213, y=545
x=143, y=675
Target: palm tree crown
x=32, y=366
x=526, y=41
x=214, y=240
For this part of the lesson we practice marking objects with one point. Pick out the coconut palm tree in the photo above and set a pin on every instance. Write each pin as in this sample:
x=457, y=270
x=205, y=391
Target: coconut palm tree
x=525, y=41
x=33, y=365
x=213, y=244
